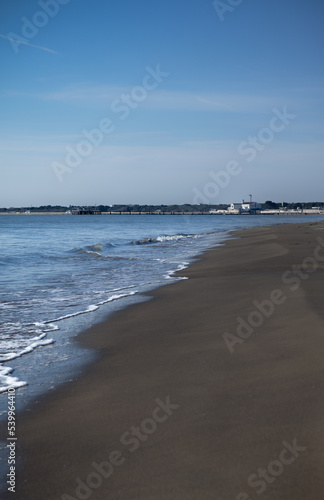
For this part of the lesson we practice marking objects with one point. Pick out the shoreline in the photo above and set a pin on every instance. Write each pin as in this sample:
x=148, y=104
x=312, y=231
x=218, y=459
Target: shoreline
x=221, y=421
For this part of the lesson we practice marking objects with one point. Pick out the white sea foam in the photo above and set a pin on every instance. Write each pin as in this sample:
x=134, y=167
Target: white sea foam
x=84, y=251
x=176, y=237
x=92, y=252
x=170, y=274
x=47, y=327
x=35, y=342
x=122, y=288
x=165, y=238
x=7, y=381
x=13, y=344
x=7, y=306
x=116, y=297
x=72, y=315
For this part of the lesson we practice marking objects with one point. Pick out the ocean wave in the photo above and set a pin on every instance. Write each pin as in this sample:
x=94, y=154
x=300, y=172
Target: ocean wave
x=165, y=238
x=120, y=257
x=47, y=327
x=19, y=330
x=116, y=297
x=13, y=355
x=114, y=289
x=181, y=267
x=16, y=350
x=7, y=305
x=6, y=380
x=84, y=251
x=92, y=307
x=72, y=315
x=15, y=345
x=95, y=248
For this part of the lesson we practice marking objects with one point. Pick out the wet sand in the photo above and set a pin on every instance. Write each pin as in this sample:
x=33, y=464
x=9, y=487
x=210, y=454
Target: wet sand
x=213, y=389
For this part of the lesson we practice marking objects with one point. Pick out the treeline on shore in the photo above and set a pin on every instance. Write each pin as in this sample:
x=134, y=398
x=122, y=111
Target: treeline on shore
x=119, y=208
x=268, y=205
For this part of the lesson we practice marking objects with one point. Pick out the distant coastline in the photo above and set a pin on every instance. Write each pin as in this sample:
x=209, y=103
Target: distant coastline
x=267, y=208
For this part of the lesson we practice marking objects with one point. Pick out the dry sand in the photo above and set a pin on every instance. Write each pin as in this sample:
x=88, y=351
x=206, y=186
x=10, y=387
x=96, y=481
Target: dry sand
x=232, y=417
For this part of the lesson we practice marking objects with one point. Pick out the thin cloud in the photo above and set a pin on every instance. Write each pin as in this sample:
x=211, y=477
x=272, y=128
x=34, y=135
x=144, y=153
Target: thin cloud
x=30, y=44
x=88, y=94
x=206, y=101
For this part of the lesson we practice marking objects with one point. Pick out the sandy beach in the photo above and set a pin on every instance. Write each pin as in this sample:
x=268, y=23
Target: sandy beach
x=212, y=389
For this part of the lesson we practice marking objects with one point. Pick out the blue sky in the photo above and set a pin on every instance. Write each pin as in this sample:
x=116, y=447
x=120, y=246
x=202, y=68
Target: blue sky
x=227, y=69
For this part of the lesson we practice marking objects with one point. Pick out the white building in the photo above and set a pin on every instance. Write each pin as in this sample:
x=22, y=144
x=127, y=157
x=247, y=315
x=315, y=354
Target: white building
x=248, y=206
x=251, y=205
x=235, y=206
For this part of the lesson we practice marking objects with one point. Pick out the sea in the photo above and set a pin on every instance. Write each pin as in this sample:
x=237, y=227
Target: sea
x=60, y=274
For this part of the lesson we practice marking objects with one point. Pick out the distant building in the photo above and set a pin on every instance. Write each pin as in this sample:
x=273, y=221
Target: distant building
x=251, y=206
x=235, y=206
x=85, y=211
x=245, y=206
